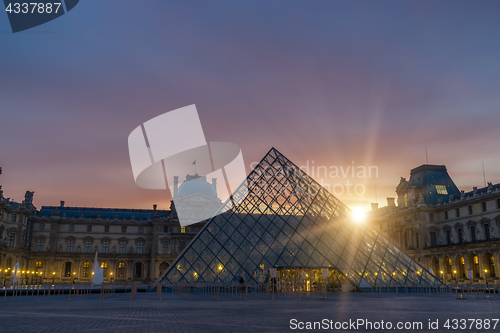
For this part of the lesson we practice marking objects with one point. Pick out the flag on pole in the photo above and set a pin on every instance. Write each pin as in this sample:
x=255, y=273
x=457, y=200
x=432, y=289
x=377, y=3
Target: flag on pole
x=194, y=162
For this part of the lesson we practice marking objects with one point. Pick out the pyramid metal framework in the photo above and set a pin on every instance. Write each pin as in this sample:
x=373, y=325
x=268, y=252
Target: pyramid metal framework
x=286, y=219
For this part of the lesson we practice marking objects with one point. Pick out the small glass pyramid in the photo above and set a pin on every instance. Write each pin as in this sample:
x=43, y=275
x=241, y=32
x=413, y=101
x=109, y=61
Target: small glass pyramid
x=287, y=219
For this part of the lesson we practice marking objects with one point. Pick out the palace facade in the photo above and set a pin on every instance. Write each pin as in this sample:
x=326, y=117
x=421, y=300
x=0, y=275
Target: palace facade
x=58, y=243
x=454, y=234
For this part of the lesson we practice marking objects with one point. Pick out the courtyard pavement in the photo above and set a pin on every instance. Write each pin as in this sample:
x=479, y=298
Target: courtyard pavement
x=146, y=313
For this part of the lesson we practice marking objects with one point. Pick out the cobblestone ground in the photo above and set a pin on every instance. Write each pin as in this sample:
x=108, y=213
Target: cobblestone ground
x=176, y=314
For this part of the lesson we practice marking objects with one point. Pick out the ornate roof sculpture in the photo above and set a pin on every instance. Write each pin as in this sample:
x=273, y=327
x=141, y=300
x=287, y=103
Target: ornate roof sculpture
x=287, y=219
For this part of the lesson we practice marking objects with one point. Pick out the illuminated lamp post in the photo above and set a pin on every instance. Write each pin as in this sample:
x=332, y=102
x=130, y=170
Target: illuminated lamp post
x=53, y=276
x=486, y=275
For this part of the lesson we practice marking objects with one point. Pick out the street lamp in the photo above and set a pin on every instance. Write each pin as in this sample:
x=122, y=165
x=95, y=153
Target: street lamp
x=53, y=276
x=486, y=275
x=4, y=277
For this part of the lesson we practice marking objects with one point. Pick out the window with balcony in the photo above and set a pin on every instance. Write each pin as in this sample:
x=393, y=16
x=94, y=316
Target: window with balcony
x=39, y=245
x=473, y=233
x=12, y=237
x=433, y=239
x=123, y=247
x=88, y=246
x=105, y=247
x=70, y=246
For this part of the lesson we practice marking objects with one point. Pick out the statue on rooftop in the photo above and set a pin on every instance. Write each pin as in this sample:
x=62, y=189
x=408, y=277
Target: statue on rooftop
x=28, y=197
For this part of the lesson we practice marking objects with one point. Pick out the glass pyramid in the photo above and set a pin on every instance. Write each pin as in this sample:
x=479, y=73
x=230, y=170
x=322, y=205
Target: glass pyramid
x=287, y=219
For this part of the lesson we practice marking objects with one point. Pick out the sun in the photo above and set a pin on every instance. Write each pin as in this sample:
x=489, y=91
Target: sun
x=358, y=214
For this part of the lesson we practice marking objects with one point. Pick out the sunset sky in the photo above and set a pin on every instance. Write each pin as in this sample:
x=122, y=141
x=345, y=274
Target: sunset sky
x=326, y=81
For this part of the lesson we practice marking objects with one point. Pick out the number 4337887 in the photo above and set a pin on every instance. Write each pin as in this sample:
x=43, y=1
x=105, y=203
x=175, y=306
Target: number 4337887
x=33, y=7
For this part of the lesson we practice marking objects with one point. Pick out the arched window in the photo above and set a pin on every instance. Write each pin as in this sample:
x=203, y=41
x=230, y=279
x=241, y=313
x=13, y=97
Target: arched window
x=435, y=267
x=86, y=269
x=138, y=270
x=163, y=267
x=67, y=269
x=105, y=269
x=8, y=263
x=121, y=269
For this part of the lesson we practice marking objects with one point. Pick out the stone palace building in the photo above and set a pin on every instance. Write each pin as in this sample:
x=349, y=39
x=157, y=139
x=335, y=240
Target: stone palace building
x=454, y=234
x=58, y=243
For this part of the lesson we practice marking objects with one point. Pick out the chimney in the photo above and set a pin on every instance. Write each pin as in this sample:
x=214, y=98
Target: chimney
x=154, y=207
x=62, y=204
x=176, y=185
x=390, y=202
x=374, y=206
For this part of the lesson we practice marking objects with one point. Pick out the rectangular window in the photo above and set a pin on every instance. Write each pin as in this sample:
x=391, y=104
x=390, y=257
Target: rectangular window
x=441, y=189
x=88, y=245
x=106, y=228
x=498, y=203
x=13, y=218
x=165, y=247
x=141, y=230
x=470, y=209
x=71, y=227
x=70, y=246
x=473, y=233
x=484, y=206
x=433, y=239
x=105, y=247
x=124, y=229
x=89, y=228
x=183, y=230
x=460, y=235
x=123, y=247
x=417, y=243
x=139, y=248
x=457, y=212
x=448, y=237
x=12, y=237
x=431, y=217
x=165, y=228
x=182, y=245
x=487, y=231
x=39, y=245
x=446, y=215
x=42, y=226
